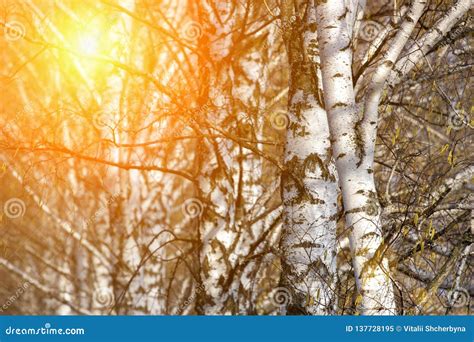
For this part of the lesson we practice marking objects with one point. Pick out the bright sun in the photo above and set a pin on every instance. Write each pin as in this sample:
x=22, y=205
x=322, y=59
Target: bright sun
x=88, y=44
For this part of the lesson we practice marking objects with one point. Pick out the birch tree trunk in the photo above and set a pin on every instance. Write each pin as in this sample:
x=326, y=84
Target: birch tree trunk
x=362, y=210
x=218, y=175
x=309, y=185
x=234, y=226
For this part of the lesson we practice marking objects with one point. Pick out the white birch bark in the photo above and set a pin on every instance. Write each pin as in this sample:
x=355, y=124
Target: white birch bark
x=255, y=220
x=368, y=125
x=216, y=183
x=362, y=210
x=419, y=48
x=232, y=177
x=309, y=185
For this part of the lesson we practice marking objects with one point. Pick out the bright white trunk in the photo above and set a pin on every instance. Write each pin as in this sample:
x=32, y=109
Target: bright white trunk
x=362, y=211
x=419, y=48
x=309, y=185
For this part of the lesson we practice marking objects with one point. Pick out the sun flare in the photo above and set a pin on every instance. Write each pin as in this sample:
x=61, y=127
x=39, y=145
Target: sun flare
x=88, y=44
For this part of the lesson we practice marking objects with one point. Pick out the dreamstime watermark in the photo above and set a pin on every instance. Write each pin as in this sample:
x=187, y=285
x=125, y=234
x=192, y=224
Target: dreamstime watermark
x=286, y=24
x=192, y=208
x=104, y=298
x=103, y=210
x=456, y=32
x=281, y=297
x=13, y=298
x=191, y=31
x=46, y=330
x=369, y=30
x=103, y=119
x=279, y=120
x=5, y=251
x=458, y=120
x=14, y=30
x=372, y=207
x=175, y=132
x=14, y=208
x=457, y=298
x=191, y=299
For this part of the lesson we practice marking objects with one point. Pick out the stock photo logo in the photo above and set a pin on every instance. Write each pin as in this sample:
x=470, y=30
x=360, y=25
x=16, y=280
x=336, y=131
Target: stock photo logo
x=103, y=120
x=372, y=207
x=19, y=291
x=46, y=329
x=281, y=297
x=14, y=208
x=191, y=31
x=459, y=120
x=457, y=298
x=192, y=208
x=279, y=120
x=369, y=30
x=104, y=298
x=235, y=158
x=14, y=30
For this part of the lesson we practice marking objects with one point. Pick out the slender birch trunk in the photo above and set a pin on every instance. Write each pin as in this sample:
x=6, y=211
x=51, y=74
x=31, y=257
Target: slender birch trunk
x=420, y=47
x=216, y=184
x=233, y=190
x=362, y=210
